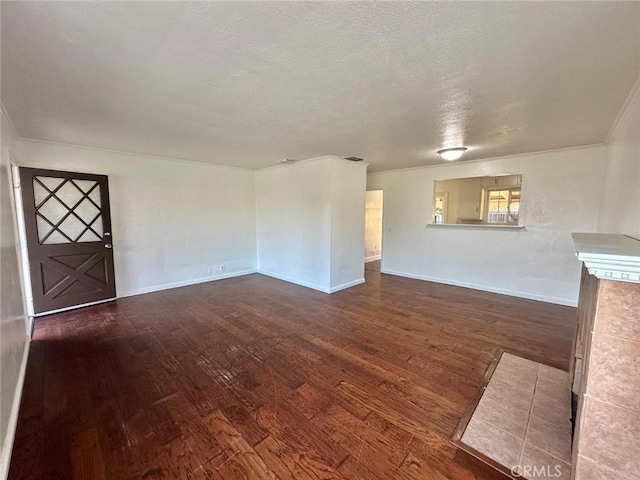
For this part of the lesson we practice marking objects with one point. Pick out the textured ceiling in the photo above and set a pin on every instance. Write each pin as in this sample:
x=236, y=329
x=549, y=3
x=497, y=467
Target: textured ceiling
x=246, y=84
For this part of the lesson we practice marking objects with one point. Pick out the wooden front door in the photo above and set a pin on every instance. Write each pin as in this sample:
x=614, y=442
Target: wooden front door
x=68, y=229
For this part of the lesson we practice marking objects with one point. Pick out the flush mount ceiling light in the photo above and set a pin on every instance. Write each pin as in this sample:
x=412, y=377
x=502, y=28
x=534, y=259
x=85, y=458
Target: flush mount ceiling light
x=452, y=153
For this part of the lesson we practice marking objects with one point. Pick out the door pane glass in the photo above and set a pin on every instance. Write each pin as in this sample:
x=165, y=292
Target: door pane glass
x=69, y=194
x=50, y=182
x=72, y=227
x=95, y=196
x=89, y=236
x=71, y=214
x=56, y=237
x=87, y=211
x=84, y=185
x=39, y=193
x=53, y=210
x=43, y=227
x=97, y=227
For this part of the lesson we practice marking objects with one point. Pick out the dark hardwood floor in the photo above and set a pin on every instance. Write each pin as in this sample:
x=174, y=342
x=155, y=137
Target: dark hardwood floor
x=256, y=378
x=375, y=265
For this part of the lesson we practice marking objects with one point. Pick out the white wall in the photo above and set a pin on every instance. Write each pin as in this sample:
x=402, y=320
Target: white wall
x=560, y=194
x=310, y=222
x=293, y=211
x=620, y=209
x=348, y=197
x=373, y=225
x=13, y=325
x=173, y=223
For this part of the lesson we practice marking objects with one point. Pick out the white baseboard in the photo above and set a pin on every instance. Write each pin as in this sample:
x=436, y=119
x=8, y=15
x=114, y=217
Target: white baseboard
x=313, y=286
x=372, y=259
x=7, y=446
x=346, y=285
x=485, y=288
x=184, y=283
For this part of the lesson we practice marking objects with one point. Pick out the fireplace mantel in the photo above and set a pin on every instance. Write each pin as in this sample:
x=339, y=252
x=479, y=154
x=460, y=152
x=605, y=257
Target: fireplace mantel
x=609, y=256
x=606, y=359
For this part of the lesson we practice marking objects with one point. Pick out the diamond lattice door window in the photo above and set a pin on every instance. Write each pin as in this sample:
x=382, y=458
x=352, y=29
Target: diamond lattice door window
x=68, y=226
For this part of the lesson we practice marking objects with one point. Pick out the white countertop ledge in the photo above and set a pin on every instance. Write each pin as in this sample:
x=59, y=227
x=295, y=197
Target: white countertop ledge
x=609, y=256
x=472, y=226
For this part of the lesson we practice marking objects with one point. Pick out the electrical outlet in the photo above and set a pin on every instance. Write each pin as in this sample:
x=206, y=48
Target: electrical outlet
x=222, y=268
x=210, y=271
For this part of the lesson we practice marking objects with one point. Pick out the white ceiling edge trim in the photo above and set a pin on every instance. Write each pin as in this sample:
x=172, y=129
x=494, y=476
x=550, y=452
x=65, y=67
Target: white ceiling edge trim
x=306, y=160
x=184, y=160
x=124, y=152
x=5, y=113
x=172, y=159
x=490, y=159
x=633, y=93
x=609, y=256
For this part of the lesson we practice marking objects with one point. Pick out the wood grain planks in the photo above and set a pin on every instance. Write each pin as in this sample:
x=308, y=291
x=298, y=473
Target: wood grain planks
x=255, y=378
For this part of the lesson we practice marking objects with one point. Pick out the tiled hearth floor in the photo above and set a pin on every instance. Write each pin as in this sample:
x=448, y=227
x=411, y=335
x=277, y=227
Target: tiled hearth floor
x=524, y=419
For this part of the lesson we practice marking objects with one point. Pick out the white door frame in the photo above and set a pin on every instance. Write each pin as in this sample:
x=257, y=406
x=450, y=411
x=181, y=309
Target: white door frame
x=22, y=241
x=380, y=189
x=445, y=206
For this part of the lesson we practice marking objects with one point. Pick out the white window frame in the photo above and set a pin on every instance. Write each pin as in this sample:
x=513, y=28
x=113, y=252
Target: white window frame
x=487, y=202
